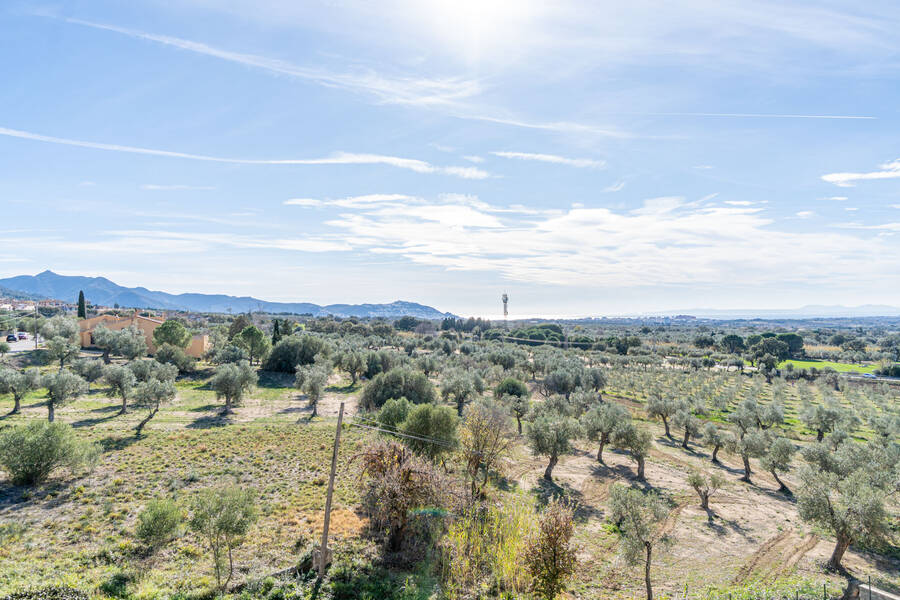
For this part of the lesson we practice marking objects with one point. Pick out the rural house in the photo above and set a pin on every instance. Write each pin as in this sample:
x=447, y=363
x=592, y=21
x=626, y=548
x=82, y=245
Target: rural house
x=197, y=346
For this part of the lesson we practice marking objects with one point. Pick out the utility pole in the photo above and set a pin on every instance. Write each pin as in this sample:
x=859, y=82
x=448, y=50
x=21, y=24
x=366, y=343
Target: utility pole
x=323, y=551
x=35, y=325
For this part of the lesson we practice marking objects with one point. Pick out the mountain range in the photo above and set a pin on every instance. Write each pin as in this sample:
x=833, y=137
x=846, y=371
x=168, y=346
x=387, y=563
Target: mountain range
x=102, y=291
x=804, y=312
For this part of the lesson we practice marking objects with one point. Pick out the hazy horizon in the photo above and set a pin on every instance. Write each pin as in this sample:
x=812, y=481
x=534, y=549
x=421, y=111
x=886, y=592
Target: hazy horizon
x=584, y=160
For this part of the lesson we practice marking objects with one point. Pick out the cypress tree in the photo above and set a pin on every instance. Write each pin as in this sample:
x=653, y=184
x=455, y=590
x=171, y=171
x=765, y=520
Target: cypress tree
x=276, y=332
x=82, y=310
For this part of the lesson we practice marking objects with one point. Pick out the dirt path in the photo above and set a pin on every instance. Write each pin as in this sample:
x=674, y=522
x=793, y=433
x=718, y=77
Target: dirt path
x=777, y=556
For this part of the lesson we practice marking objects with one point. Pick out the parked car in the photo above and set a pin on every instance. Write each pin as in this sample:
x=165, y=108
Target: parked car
x=22, y=335
x=11, y=337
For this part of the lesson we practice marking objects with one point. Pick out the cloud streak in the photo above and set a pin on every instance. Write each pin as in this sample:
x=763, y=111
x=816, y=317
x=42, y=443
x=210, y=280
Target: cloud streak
x=890, y=170
x=667, y=241
x=553, y=158
x=338, y=158
x=397, y=90
x=175, y=187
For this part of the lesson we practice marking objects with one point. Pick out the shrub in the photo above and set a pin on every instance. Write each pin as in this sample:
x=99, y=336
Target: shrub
x=31, y=452
x=158, y=523
x=432, y=430
x=550, y=557
x=223, y=516
x=168, y=354
x=397, y=383
x=394, y=482
x=294, y=350
x=487, y=544
x=116, y=585
x=48, y=593
x=511, y=387
x=393, y=413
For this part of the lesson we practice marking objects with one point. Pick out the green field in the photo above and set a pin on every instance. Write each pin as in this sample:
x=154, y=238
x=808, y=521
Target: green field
x=837, y=366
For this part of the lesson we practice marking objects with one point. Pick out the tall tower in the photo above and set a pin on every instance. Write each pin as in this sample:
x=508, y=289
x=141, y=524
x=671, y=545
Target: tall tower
x=505, y=299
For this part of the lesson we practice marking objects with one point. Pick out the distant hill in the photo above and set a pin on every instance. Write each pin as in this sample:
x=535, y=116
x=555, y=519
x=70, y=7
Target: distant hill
x=804, y=312
x=6, y=292
x=100, y=290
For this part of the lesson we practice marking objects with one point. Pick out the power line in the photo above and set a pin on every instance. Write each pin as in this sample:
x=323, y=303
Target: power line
x=404, y=435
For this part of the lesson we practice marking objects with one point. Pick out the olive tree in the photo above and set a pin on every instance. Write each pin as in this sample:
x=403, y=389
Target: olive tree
x=778, y=458
x=151, y=395
x=129, y=343
x=751, y=445
x=62, y=387
x=62, y=348
x=121, y=381
x=846, y=492
x=311, y=380
x=458, y=386
x=231, y=381
x=638, y=517
x=849, y=506
x=824, y=417
x=222, y=517
x=353, y=363
x=18, y=383
x=662, y=409
x=705, y=485
x=601, y=422
x=550, y=434
x=715, y=438
x=688, y=423
x=637, y=441
x=89, y=369
x=514, y=394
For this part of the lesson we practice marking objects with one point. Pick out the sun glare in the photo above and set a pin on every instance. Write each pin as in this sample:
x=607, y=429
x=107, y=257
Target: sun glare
x=477, y=30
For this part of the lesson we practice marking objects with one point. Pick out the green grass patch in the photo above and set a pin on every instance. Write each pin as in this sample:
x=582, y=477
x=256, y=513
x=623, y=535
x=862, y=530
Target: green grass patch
x=823, y=364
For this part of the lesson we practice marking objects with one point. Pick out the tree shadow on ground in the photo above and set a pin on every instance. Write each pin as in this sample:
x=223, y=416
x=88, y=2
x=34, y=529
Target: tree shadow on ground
x=219, y=419
x=721, y=526
x=108, y=409
x=95, y=421
x=115, y=442
x=205, y=408
x=546, y=491
x=275, y=380
x=342, y=389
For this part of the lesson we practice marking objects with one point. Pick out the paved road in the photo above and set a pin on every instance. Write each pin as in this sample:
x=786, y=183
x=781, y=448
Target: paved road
x=21, y=345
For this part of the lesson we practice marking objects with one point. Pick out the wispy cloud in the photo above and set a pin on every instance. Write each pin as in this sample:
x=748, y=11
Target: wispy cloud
x=757, y=115
x=555, y=126
x=890, y=170
x=176, y=187
x=398, y=90
x=553, y=158
x=338, y=158
x=366, y=200
x=615, y=187
x=805, y=214
x=668, y=240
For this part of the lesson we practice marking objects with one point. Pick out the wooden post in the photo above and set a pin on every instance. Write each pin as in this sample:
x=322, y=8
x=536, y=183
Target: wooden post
x=323, y=551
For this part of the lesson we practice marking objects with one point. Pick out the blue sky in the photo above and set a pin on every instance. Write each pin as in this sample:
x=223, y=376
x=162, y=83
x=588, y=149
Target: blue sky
x=589, y=158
